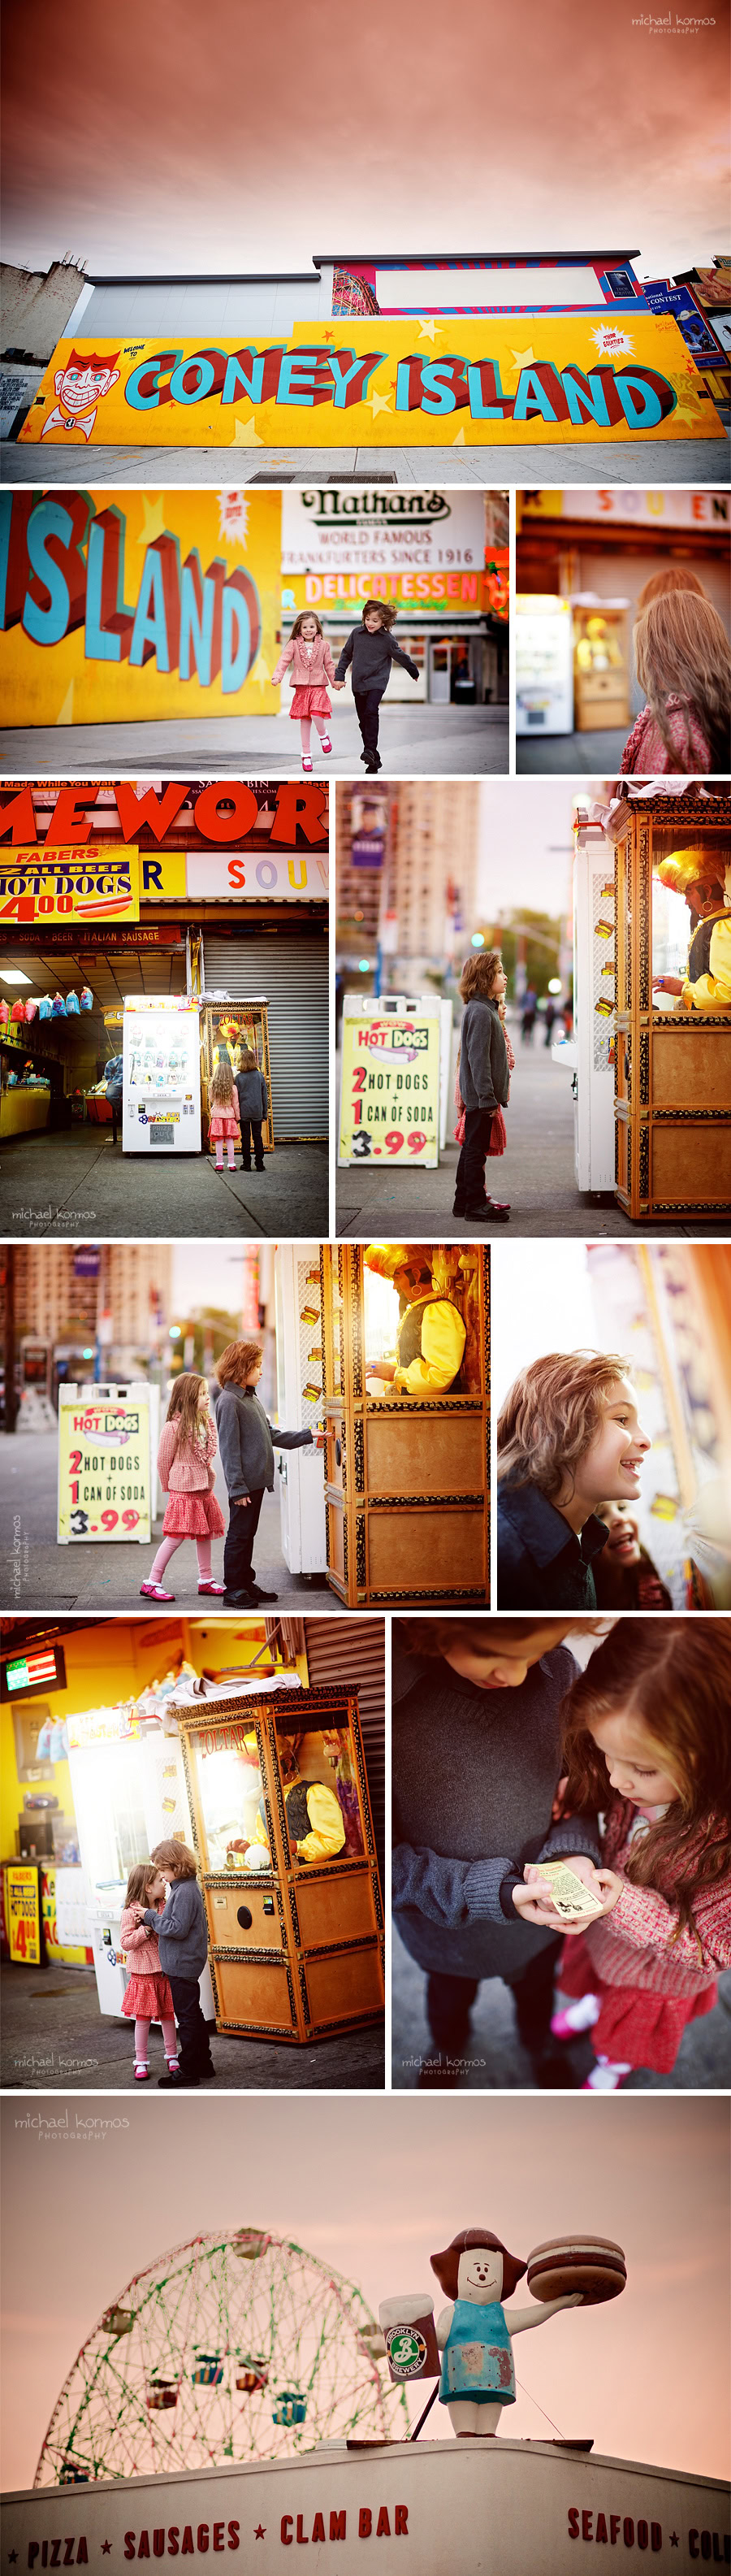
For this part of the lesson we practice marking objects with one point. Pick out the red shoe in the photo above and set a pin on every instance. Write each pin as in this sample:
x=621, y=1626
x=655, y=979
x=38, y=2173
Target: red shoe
x=325, y=743
x=154, y=1592
x=306, y=763
x=218, y=1588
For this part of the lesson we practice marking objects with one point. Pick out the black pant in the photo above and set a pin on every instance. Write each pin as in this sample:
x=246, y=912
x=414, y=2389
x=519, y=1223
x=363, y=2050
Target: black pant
x=239, y=1547
x=469, y=1185
x=251, y=1135
x=367, y=703
x=448, y=2001
x=115, y=1106
x=194, y=2051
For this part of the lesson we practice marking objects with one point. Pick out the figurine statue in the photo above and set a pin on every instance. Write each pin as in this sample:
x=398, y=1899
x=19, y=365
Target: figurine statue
x=474, y=2333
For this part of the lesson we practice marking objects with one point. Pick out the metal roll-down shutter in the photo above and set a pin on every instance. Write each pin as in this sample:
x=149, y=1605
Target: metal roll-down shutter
x=291, y=968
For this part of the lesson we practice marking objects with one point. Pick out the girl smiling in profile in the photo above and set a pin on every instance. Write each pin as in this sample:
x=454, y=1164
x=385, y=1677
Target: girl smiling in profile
x=569, y=1440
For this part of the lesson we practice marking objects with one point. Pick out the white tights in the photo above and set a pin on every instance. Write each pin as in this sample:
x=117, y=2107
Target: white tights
x=167, y=1549
x=306, y=723
x=142, y=2039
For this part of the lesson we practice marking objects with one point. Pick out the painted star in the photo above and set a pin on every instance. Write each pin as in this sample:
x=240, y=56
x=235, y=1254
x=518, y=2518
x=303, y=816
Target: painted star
x=260, y=2530
x=673, y=2540
x=428, y=329
x=378, y=402
x=12, y=2554
x=153, y=521
x=106, y=2547
x=523, y=357
x=246, y=435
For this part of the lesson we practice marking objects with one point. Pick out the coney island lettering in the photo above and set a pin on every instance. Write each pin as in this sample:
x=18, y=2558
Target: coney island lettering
x=578, y=376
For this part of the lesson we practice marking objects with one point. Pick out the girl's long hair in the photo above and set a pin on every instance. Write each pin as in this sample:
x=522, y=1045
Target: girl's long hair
x=681, y=650
x=221, y=1088
x=299, y=622
x=676, y=1679
x=183, y=1407
x=140, y=1878
x=478, y=973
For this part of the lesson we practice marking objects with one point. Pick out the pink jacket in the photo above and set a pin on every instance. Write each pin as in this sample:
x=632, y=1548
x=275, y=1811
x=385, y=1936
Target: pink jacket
x=141, y=1946
x=634, y=1945
x=309, y=670
x=644, y=754
x=185, y=1469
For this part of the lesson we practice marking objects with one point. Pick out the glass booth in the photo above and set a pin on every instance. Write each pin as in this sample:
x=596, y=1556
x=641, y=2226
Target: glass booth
x=673, y=1050
x=284, y=1838
x=406, y=1383
x=236, y=1025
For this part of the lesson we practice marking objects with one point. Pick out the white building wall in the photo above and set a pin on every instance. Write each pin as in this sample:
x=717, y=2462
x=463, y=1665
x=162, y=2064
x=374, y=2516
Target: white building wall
x=142, y=309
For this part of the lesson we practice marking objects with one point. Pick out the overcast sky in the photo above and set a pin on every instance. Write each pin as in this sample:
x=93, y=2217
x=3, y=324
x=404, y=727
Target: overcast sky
x=187, y=137
x=527, y=843
x=374, y=2187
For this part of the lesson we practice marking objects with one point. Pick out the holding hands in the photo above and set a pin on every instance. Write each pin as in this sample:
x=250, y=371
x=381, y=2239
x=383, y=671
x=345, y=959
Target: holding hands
x=535, y=1904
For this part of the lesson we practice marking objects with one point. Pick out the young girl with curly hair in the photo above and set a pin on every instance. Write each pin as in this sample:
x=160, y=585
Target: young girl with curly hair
x=647, y=1742
x=683, y=664
x=309, y=656
x=568, y=1441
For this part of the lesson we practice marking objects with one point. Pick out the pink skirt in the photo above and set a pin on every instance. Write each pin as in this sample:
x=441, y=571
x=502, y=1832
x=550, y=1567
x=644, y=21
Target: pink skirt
x=311, y=702
x=223, y=1123
x=635, y=2027
x=193, y=1516
x=148, y=1999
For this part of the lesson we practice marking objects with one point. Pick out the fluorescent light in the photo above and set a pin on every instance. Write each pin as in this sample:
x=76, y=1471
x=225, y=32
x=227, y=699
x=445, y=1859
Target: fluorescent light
x=12, y=975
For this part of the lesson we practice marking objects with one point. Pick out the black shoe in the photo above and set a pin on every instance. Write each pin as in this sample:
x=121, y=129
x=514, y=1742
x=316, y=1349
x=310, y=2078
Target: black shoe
x=259, y=1595
x=495, y=1210
x=372, y=766
x=260, y=1167
x=458, y=1210
x=205, y=2072
x=246, y=1167
x=178, y=2083
x=239, y=1600
x=554, y=2073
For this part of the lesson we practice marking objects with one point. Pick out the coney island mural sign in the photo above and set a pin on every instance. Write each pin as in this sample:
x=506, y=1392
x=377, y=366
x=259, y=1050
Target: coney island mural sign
x=369, y=382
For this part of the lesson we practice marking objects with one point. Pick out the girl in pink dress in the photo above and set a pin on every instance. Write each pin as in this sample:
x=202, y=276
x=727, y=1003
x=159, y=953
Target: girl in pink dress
x=312, y=663
x=184, y=1465
x=683, y=664
x=224, y=1124
x=147, y=1996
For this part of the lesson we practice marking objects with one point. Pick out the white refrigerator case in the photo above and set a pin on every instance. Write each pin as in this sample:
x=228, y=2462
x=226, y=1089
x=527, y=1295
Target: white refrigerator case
x=161, y=1077
x=300, y=1473
x=544, y=669
x=128, y=1795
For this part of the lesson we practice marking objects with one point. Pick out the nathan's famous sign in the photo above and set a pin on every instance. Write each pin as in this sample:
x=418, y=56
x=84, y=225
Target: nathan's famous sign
x=125, y=604
x=366, y=382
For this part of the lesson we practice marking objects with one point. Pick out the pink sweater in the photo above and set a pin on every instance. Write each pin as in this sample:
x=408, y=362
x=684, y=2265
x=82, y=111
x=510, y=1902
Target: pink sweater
x=634, y=1945
x=141, y=1946
x=644, y=754
x=183, y=1468
x=309, y=670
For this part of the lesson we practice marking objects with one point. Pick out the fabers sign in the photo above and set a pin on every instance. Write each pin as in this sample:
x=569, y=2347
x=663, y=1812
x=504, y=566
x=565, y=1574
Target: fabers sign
x=369, y=383
x=137, y=604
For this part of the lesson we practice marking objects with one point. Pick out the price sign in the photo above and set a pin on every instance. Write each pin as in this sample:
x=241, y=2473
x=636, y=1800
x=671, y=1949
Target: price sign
x=389, y=1099
x=104, y=1464
x=23, y=1907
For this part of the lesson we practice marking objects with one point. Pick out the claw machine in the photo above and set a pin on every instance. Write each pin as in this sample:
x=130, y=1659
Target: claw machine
x=406, y=1344
x=161, y=1075
x=129, y=1792
x=299, y=1405
x=284, y=1838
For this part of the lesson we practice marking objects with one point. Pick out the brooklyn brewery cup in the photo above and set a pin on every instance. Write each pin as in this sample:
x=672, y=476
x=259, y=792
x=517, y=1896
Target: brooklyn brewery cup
x=408, y=2331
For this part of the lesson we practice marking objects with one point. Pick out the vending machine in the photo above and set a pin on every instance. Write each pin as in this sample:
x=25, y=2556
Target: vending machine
x=300, y=1405
x=593, y=1045
x=129, y=1793
x=544, y=666
x=161, y=1075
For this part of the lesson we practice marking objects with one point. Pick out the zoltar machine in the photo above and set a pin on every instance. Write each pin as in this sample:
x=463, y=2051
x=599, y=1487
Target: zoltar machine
x=652, y=1052
x=405, y=1332
x=284, y=1837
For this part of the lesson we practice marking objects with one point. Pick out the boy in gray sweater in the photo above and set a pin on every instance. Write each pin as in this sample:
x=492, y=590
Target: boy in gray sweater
x=183, y=1940
x=476, y=1761
x=245, y=1440
x=371, y=649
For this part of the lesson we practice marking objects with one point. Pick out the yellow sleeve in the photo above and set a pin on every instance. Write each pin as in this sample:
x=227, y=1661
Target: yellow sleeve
x=328, y=1831
x=443, y=1338
x=713, y=991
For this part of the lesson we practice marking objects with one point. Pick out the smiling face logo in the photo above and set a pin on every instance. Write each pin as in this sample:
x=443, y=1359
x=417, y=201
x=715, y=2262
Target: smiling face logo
x=80, y=387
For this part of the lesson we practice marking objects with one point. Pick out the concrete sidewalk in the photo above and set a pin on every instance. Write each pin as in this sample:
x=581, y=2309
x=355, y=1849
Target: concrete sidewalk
x=55, y=2040
x=415, y=741
x=38, y=1574
x=62, y=1184
x=495, y=2060
x=393, y=1203
x=631, y=460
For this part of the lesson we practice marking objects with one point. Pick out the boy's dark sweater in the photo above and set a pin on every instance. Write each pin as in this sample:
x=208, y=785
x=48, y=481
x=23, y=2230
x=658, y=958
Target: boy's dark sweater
x=474, y=1777
x=245, y=1437
x=181, y=1931
x=371, y=657
x=484, y=1073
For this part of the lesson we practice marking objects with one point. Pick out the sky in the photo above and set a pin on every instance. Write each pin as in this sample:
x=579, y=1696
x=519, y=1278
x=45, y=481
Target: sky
x=187, y=138
x=526, y=843
x=374, y=2187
